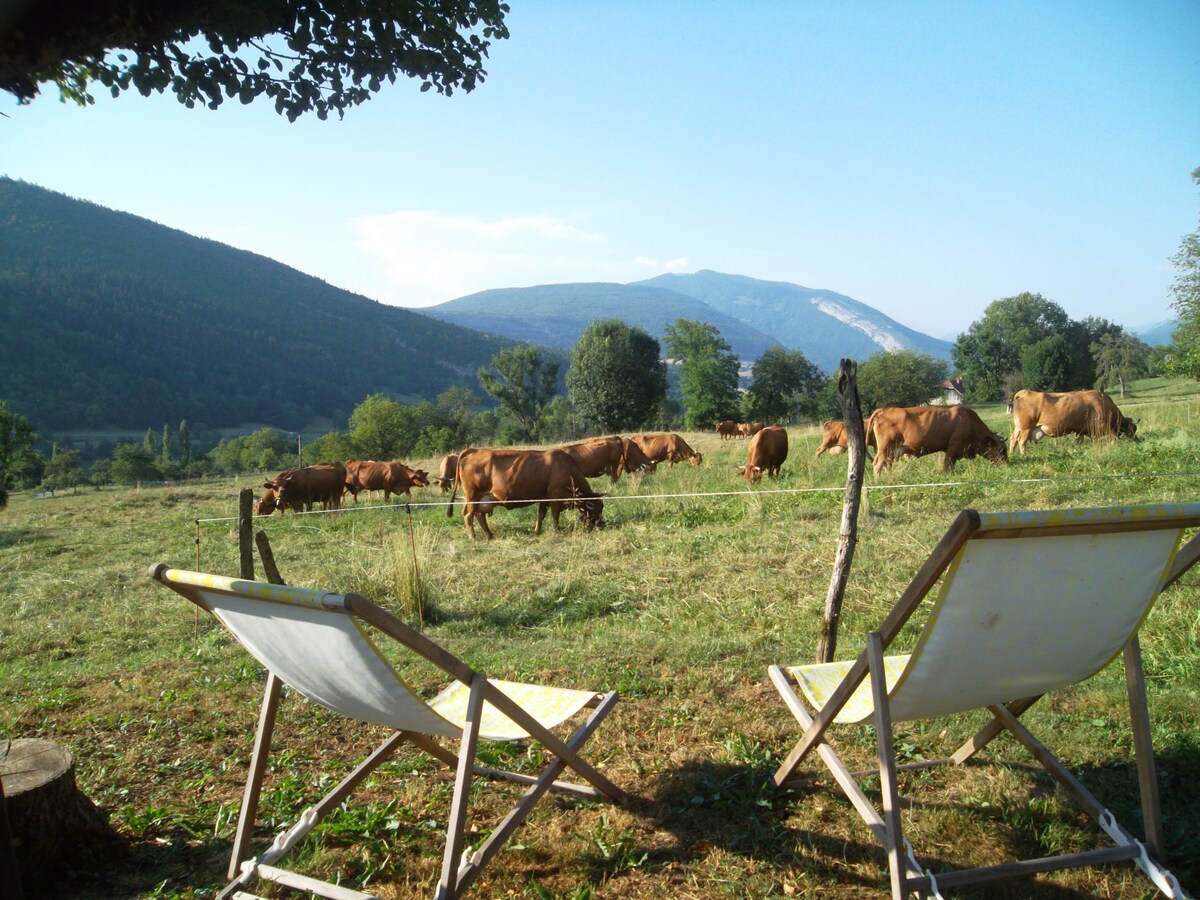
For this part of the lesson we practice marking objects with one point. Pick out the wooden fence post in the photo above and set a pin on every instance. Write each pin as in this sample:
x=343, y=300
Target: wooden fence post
x=246, y=532
x=856, y=451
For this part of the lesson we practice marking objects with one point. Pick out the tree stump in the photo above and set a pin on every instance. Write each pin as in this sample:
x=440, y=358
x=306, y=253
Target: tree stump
x=52, y=823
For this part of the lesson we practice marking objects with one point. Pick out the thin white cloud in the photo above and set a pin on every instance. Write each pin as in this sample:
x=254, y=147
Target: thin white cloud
x=427, y=257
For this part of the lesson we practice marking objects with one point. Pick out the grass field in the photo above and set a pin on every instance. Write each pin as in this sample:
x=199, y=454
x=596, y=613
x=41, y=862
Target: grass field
x=698, y=582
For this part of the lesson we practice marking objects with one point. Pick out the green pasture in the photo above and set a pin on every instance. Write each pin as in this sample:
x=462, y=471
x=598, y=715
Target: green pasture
x=697, y=583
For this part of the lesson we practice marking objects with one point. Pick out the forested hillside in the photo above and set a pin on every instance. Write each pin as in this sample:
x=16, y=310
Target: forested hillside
x=110, y=320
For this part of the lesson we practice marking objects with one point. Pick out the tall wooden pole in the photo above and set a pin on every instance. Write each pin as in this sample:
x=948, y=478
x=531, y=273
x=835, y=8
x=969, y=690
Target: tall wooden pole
x=856, y=452
x=246, y=533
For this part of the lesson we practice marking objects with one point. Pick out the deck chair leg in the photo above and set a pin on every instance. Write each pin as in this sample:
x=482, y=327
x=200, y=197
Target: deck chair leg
x=455, y=837
x=894, y=844
x=258, y=767
x=545, y=781
x=1143, y=748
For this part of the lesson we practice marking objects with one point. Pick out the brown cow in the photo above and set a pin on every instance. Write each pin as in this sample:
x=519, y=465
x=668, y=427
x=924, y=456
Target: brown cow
x=299, y=489
x=392, y=477
x=1037, y=414
x=756, y=427
x=447, y=472
x=767, y=452
x=918, y=430
x=598, y=456
x=269, y=501
x=833, y=436
x=669, y=446
x=727, y=429
x=634, y=459
x=516, y=478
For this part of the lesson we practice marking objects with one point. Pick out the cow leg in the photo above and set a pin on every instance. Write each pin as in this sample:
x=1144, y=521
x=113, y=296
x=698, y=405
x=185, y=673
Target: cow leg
x=541, y=515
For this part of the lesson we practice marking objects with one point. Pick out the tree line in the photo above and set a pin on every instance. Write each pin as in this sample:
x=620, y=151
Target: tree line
x=617, y=380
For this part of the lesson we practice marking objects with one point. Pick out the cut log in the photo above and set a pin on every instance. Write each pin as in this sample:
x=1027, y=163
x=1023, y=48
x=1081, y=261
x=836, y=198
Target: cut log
x=52, y=823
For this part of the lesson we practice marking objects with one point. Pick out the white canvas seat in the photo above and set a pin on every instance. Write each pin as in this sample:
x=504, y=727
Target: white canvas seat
x=1025, y=603
x=322, y=645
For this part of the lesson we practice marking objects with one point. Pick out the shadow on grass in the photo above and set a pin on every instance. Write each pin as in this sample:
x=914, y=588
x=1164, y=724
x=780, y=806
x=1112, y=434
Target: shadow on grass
x=13, y=537
x=731, y=807
x=167, y=865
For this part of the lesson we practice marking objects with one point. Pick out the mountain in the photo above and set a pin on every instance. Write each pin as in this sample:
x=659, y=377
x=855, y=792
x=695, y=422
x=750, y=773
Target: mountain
x=1158, y=334
x=823, y=325
x=555, y=315
x=110, y=320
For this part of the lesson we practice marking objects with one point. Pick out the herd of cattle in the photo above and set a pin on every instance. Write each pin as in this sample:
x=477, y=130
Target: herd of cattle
x=558, y=479
x=553, y=479
x=959, y=432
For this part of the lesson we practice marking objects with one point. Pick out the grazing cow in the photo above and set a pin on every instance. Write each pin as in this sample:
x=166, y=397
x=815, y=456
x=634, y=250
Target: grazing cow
x=267, y=503
x=1037, y=414
x=833, y=436
x=392, y=477
x=598, y=456
x=727, y=429
x=767, y=452
x=918, y=430
x=634, y=459
x=299, y=489
x=516, y=478
x=755, y=428
x=669, y=446
x=447, y=472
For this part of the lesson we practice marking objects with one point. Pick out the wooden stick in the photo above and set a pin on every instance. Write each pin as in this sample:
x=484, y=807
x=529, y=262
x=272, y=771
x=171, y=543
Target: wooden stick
x=848, y=537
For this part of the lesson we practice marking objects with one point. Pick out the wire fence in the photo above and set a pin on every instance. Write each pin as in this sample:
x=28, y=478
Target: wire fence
x=410, y=505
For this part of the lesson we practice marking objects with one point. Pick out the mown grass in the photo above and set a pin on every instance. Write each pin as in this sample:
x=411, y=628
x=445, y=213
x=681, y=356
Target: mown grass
x=697, y=583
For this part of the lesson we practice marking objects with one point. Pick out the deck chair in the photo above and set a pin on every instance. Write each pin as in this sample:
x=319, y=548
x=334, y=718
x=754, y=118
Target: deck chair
x=319, y=644
x=1029, y=602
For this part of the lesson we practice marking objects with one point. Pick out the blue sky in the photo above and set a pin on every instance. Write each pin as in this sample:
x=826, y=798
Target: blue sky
x=923, y=158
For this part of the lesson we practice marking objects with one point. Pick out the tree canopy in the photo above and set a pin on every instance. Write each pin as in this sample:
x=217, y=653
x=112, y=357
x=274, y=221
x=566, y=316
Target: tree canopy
x=1185, y=299
x=899, y=378
x=708, y=372
x=616, y=378
x=784, y=385
x=18, y=458
x=522, y=382
x=317, y=56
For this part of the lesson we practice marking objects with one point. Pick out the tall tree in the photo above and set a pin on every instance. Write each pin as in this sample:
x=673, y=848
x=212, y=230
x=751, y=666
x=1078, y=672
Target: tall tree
x=784, y=386
x=18, y=458
x=1120, y=357
x=63, y=470
x=898, y=378
x=381, y=428
x=1046, y=364
x=317, y=56
x=708, y=372
x=165, y=459
x=616, y=377
x=148, y=443
x=1185, y=299
x=522, y=382
x=990, y=350
x=132, y=464
x=185, y=445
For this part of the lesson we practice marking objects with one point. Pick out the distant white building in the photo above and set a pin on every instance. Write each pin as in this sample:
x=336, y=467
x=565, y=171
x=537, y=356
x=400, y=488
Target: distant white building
x=952, y=393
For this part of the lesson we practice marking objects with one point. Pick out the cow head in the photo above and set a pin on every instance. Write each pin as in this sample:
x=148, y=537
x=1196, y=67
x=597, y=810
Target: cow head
x=751, y=473
x=420, y=478
x=266, y=503
x=696, y=458
x=995, y=448
x=1128, y=428
x=288, y=494
x=591, y=512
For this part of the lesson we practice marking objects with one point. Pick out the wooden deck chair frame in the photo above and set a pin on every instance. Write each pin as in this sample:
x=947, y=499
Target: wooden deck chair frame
x=481, y=697
x=864, y=680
